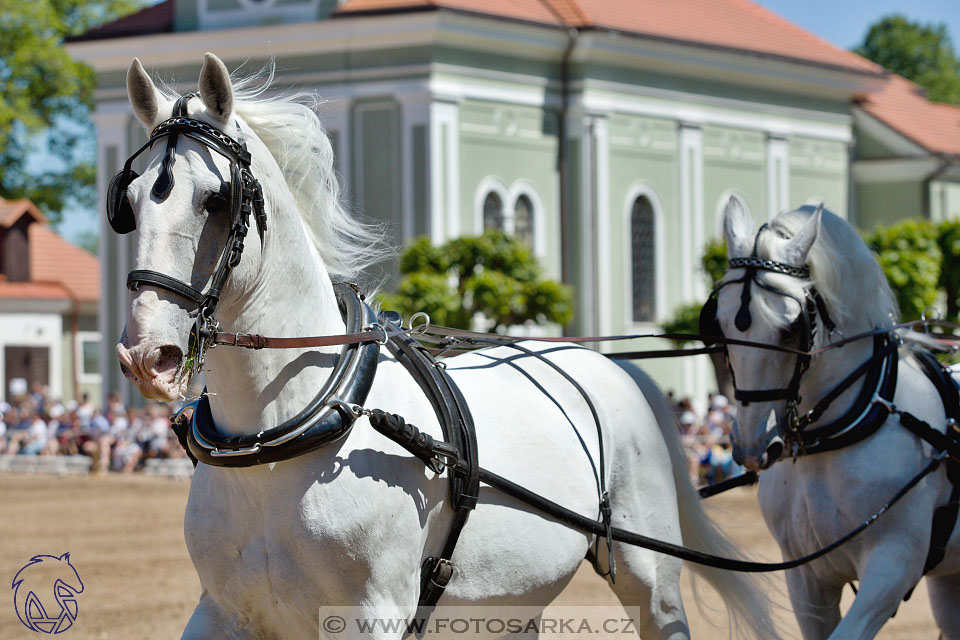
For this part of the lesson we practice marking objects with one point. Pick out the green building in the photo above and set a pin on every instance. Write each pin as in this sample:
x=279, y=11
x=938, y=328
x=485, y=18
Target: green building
x=607, y=134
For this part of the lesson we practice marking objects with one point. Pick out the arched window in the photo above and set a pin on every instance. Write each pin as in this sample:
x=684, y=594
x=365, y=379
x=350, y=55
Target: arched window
x=523, y=220
x=492, y=212
x=643, y=270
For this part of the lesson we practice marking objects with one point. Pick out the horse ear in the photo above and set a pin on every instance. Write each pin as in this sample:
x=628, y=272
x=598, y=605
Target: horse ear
x=215, y=88
x=737, y=228
x=144, y=97
x=797, y=248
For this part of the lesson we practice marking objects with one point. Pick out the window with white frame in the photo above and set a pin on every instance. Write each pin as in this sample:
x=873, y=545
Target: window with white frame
x=88, y=357
x=493, y=213
x=644, y=259
x=523, y=220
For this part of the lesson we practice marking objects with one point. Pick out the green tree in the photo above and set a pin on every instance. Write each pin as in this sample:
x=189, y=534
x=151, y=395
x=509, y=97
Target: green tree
x=46, y=97
x=493, y=275
x=686, y=318
x=919, y=52
x=910, y=256
x=948, y=239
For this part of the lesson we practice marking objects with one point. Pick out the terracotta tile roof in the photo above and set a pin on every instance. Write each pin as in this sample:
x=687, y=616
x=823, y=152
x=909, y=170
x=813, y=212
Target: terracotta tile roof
x=541, y=11
x=738, y=25
x=33, y=291
x=57, y=267
x=53, y=259
x=155, y=19
x=11, y=210
x=902, y=106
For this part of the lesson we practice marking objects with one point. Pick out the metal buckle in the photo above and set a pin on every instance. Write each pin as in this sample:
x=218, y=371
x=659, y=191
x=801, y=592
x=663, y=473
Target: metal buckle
x=376, y=326
x=254, y=344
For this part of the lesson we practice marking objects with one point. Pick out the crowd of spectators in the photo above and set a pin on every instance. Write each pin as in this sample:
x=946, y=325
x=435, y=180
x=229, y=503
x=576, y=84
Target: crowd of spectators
x=117, y=438
x=706, y=440
x=121, y=438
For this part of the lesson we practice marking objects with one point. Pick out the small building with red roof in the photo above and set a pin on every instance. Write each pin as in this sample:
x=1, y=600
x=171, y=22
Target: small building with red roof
x=606, y=134
x=49, y=298
x=907, y=161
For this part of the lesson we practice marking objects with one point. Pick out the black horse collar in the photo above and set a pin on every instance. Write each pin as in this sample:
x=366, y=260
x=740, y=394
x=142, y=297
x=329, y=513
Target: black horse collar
x=327, y=418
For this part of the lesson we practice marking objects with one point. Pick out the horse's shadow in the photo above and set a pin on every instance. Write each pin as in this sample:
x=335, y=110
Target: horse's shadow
x=383, y=468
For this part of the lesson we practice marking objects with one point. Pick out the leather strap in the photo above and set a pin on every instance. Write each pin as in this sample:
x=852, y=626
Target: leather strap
x=257, y=341
x=162, y=281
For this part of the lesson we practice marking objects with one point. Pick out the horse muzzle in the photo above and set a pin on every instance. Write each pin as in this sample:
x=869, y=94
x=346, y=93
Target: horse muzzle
x=157, y=371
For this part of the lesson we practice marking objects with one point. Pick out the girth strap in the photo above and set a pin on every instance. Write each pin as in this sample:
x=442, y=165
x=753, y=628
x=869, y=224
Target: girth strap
x=944, y=517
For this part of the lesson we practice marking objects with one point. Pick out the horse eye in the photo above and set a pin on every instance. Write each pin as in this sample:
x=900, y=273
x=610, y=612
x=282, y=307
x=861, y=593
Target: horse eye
x=215, y=204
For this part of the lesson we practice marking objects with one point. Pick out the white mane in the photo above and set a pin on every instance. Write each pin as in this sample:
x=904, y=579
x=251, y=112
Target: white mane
x=844, y=271
x=294, y=135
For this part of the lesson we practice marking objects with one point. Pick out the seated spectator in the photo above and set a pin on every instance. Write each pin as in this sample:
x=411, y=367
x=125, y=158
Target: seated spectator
x=36, y=436
x=99, y=442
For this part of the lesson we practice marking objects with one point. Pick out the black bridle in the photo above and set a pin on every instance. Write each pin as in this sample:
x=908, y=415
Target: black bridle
x=804, y=327
x=243, y=193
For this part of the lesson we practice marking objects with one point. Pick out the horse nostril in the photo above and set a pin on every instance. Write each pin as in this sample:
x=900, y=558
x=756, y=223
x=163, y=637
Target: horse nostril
x=774, y=451
x=167, y=358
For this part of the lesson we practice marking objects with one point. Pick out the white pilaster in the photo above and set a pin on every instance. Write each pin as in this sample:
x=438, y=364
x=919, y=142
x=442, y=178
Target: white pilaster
x=414, y=111
x=110, y=120
x=601, y=177
x=691, y=210
x=778, y=184
x=444, y=222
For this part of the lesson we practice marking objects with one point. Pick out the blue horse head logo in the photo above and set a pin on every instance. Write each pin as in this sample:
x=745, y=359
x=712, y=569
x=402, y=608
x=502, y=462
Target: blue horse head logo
x=45, y=593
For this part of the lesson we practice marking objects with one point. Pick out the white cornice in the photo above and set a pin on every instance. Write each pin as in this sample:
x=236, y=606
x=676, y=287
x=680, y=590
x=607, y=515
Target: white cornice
x=725, y=65
x=893, y=169
x=695, y=109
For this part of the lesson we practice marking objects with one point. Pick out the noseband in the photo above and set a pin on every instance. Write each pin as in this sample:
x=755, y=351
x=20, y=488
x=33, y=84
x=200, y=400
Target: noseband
x=804, y=327
x=243, y=193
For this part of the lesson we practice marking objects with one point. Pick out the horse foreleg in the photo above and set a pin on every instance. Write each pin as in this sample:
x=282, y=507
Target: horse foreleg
x=886, y=577
x=945, y=602
x=209, y=620
x=816, y=606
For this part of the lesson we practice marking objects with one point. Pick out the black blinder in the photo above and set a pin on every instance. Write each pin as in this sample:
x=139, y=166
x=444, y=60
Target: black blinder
x=119, y=212
x=709, y=324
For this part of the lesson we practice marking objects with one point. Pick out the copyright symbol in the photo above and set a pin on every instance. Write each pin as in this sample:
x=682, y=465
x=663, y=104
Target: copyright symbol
x=334, y=624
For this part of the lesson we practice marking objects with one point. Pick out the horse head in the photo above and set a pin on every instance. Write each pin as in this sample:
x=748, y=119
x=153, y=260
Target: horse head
x=764, y=298
x=186, y=209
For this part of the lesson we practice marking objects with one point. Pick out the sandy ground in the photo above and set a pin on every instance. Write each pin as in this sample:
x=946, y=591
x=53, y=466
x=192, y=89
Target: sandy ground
x=125, y=537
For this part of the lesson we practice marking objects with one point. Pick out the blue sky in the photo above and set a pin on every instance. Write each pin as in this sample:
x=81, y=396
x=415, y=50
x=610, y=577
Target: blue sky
x=842, y=22
x=845, y=23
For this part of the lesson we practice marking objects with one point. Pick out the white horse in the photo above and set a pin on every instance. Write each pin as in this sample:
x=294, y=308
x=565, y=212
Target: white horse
x=815, y=499
x=351, y=523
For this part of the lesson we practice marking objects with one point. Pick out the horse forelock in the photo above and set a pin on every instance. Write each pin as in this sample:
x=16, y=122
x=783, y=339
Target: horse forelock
x=842, y=268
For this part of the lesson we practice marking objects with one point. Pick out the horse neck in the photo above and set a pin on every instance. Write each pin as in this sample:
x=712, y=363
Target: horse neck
x=291, y=296
x=830, y=368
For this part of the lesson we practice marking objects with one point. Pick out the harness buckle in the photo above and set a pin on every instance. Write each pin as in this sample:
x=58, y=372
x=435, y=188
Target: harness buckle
x=886, y=404
x=254, y=340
